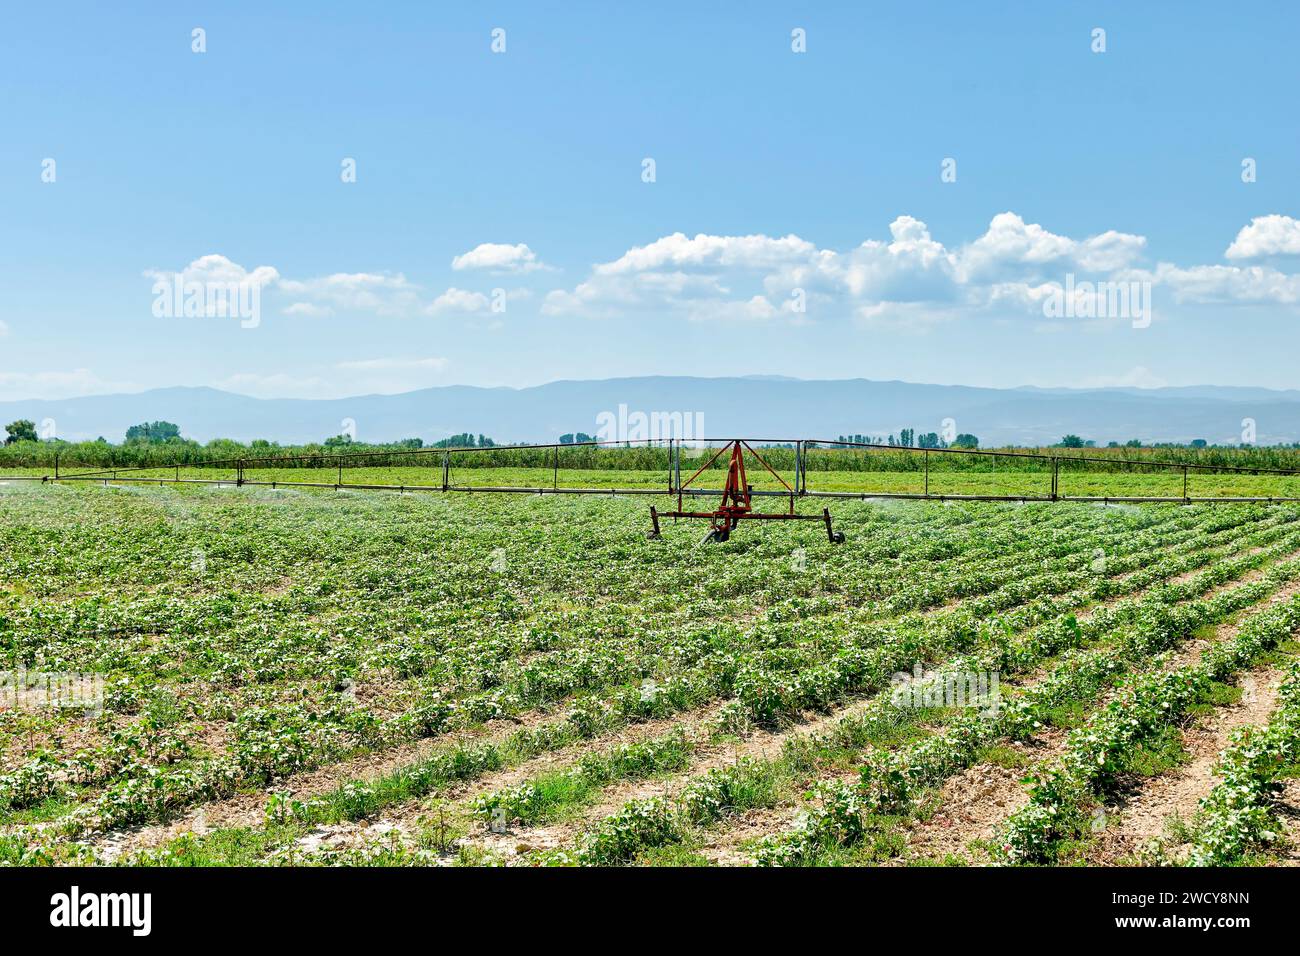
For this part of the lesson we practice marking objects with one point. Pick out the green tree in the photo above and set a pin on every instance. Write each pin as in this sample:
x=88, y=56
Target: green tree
x=465, y=440
x=152, y=433
x=965, y=440
x=1071, y=441
x=21, y=430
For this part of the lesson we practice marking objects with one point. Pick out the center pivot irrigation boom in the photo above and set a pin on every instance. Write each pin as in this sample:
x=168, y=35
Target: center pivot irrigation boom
x=736, y=504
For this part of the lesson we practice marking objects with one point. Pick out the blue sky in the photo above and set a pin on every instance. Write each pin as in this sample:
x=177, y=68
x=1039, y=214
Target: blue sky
x=797, y=223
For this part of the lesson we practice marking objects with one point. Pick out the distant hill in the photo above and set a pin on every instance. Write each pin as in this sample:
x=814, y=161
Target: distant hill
x=758, y=406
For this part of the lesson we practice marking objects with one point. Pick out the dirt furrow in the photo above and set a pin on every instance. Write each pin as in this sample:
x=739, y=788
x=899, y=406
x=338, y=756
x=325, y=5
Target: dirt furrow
x=248, y=809
x=1142, y=816
x=974, y=804
x=975, y=800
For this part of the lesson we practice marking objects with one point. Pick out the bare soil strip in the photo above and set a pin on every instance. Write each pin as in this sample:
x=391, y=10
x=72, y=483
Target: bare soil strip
x=975, y=803
x=1144, y=814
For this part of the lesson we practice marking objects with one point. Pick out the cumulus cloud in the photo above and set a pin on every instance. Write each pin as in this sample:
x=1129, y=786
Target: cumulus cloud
x=1228, y=285
x=373, y=293
x=608, y=295
x=755, y=309
x=1013, y=267
x=217, y=269
x=1012, y=246
x=910, y=267
x=499, y=257
x=1109, y=251
x=1266, y=236
x=677, y=252
x=459, y=301
x=909, y=276
x=1010, y=241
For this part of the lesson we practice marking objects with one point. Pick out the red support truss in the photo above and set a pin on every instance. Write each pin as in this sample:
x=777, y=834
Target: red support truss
x=737, y=503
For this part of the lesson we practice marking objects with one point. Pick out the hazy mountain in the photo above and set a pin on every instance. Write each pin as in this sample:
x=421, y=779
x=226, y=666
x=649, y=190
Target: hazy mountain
x=760, y=406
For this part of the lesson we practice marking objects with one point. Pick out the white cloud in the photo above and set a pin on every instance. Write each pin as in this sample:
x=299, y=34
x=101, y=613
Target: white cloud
x=499, y=257
x=609, y=295
x=1228, y=285
x=903, y=316
x=724, y=252
x=706, y=276
x=756, y=309
x=4, y=328
x=1010, y=269
x=459, y=301
x=1266, y=236
x=1011, y=246
x=911, y=267
x=1010, y=241
x=218, y=269
x=373, y=293
x=377, y=293
x=1109, y=251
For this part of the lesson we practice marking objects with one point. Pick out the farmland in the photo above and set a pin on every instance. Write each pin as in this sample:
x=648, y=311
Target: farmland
x=992, y=478
x=314, y=677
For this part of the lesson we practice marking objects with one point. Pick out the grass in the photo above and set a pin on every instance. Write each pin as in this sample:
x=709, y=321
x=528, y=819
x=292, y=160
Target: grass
x=1160, y=753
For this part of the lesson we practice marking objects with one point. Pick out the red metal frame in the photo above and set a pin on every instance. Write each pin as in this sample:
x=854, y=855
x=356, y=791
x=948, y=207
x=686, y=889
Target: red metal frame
x=737, y=504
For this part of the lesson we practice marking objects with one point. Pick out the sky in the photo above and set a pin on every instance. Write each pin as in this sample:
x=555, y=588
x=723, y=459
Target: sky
x=412, y=194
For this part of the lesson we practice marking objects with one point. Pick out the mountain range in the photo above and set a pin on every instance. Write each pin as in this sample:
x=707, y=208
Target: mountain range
x=769, y=407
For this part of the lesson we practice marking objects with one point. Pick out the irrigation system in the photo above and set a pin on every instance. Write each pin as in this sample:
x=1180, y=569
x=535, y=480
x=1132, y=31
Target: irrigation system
x=453, y=470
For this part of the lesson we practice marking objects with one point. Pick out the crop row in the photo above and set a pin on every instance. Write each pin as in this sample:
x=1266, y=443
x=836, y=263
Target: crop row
x=530, y=800
x=892, y=781
x=155, y=766
x=1240, y=813
x=154, y=772
x=654, y=822
x=1098, y=751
